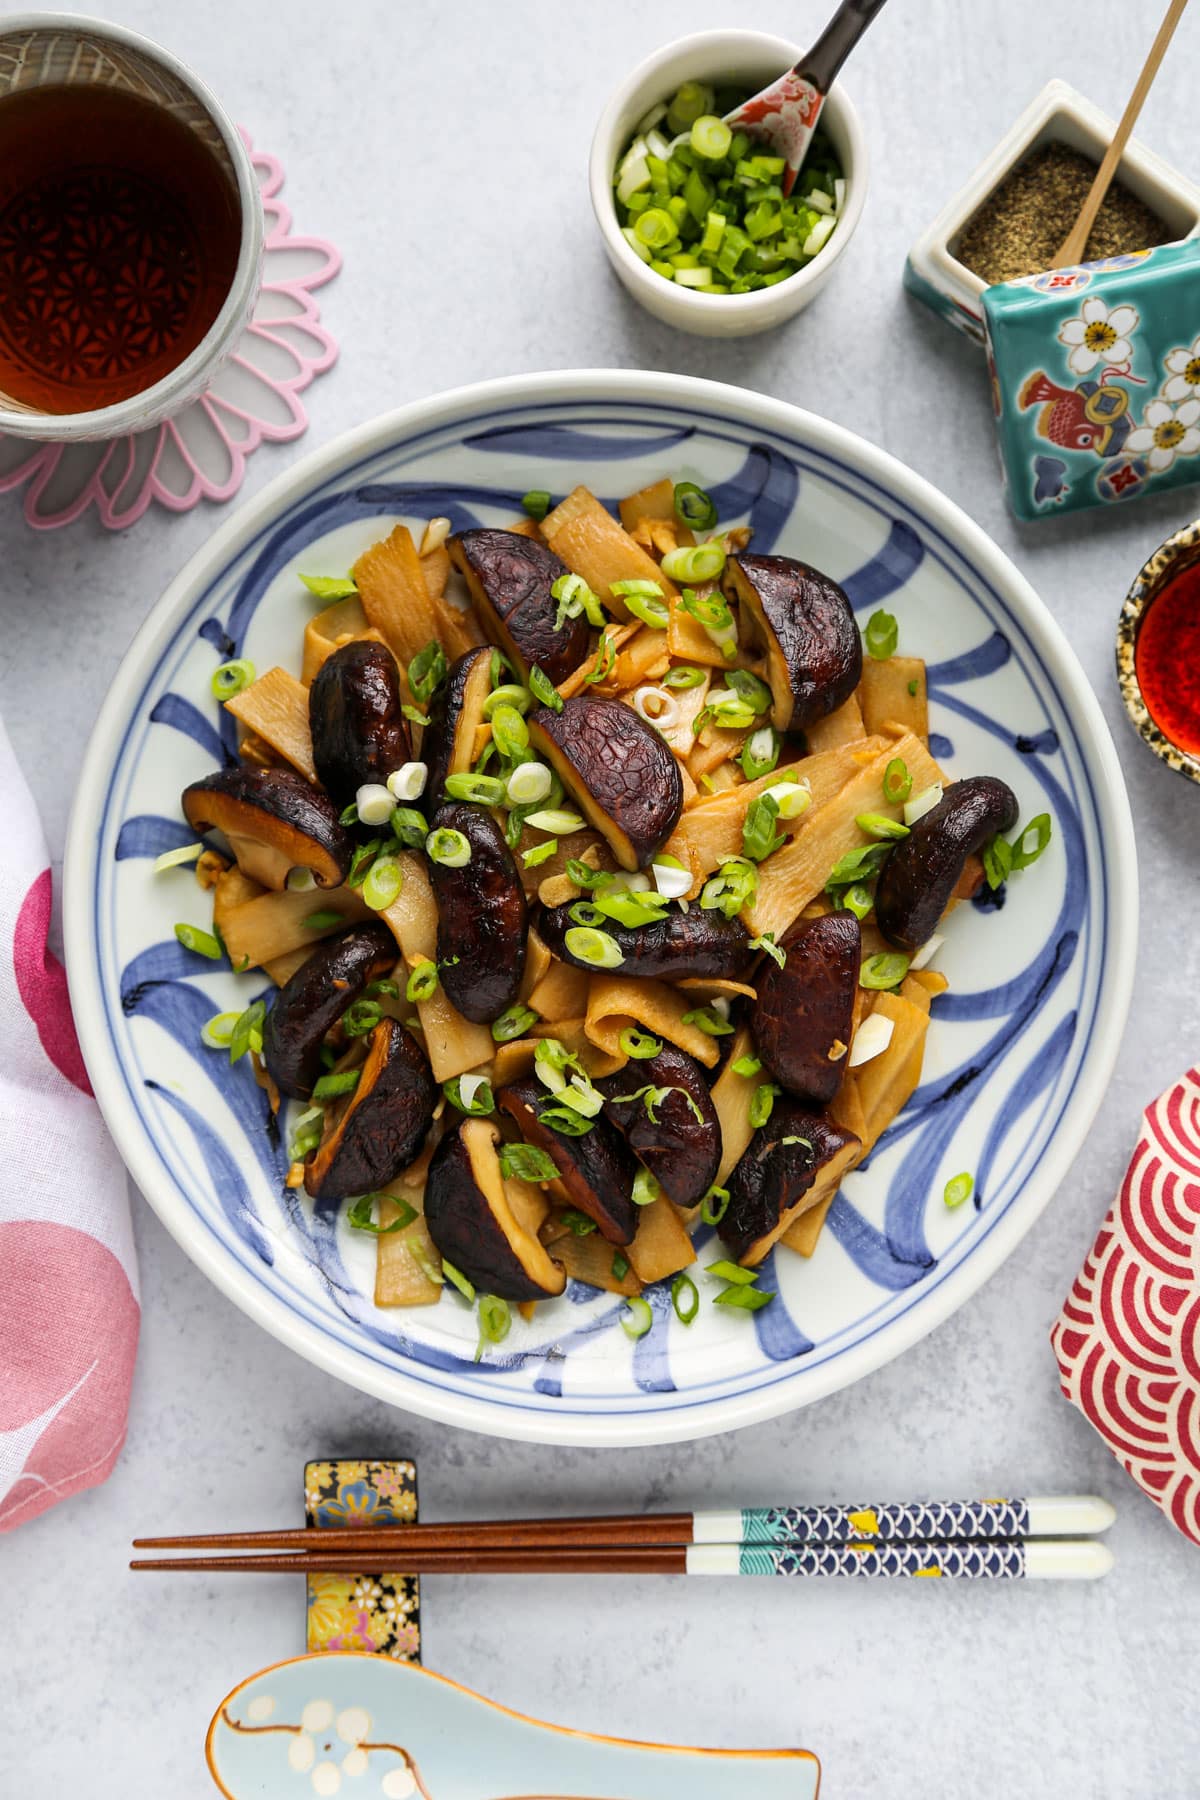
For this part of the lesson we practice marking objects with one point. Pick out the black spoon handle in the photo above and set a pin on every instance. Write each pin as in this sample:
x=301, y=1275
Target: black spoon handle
x=820, y=65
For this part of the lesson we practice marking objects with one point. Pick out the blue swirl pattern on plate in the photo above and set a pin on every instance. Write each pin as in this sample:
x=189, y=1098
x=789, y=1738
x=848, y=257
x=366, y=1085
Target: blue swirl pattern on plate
x=1006, y=1044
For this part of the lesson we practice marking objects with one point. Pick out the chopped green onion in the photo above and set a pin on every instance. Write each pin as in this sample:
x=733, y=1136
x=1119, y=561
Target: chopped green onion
x=710, y=137
x=767, y=943
x=637, y=1318
x=410, y=827
x=539, y=853
x=759, y=836
x=361, y=1017
x=595, y=948
x=422, y=983
x=485, y=790
x=203, y=943
x=585, y=877
x=457, y=1279
x=529, y=784
x=498, y=667
x=762, y=1103
x=574, y=597
x=543, y=689
x=556, y=819
x=449, y=848
x=218, y=1030
x=512, y=1023
x=645, y=1189
x=685, y=676
x=695, y=562
x=427, y=671
x=897, y=782
x=754, y=692
x=639, y=1045
x=322, y=919
x=791, y=797
x=576, y=1222
x=337, y=1082
x=914, y=688
x=881, y=636
x=746, y=1299
x=307, y=1133
x=958, y=1189
x=654, y=227
x=360, y=862
x=536, y=503
x=620, y=1266
x=731, y=1271
x=384, y=880
x=887, y=970
x=694, y=507
x=997, y=861
x=1029, y=843
x=349, y=814
x=415, y=715
x=685, y=1298
x=584, y=913
x=510, y=732
x=511, y=694
x=748, y=1066
x=526, y=1162
x=495, y=1320
x=857, y=865
x=760, y=753
x=650, y=609
x=174, y=859
x=880, y=827
x=731, y=889
x=329, y=587
x=565, y=1120
x=361, y=1216
x=606, y=657
x=471, y=1094
x=857, y=899
x=714, y=1205
x=707, y=1020
x=628, y=909
x=379, y=990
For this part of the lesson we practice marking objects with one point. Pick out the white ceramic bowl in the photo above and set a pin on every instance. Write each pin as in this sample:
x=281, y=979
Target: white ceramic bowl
x=1020, y=1050
x=55, y=49
x=741, y=58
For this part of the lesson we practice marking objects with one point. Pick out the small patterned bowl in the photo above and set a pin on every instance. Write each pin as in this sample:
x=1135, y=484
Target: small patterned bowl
x=1169, y=560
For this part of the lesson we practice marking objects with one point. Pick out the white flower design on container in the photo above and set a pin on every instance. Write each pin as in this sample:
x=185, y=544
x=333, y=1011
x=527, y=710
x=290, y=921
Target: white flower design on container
x=322, y=1732
x=1166, y=432
x=1183, y=373
x=1098, y=335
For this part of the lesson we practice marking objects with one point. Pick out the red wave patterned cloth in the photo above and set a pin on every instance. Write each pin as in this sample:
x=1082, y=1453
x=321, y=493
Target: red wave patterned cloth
x=1128, y=1338
x=68, y=1297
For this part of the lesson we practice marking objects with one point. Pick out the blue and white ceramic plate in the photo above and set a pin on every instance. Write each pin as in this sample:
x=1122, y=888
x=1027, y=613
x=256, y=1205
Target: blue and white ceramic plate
x=1020, y=1050
x=345, y=1723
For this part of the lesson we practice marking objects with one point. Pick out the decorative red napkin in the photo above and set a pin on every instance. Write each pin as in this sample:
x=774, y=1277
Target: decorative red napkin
x=1128, y=1338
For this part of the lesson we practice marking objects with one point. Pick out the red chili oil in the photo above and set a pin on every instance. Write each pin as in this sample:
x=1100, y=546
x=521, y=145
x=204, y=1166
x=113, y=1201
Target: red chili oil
x=1167, y=660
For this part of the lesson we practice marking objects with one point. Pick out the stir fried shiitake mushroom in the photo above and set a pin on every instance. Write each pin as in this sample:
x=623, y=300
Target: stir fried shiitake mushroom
x=599, y=895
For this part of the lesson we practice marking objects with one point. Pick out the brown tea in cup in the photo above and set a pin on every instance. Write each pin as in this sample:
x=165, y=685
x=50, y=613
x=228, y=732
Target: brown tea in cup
x=119, y=239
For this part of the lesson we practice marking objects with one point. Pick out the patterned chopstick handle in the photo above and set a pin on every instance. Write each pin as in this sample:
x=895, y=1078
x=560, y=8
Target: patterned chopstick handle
x=963, y=1562
x=934, y=1521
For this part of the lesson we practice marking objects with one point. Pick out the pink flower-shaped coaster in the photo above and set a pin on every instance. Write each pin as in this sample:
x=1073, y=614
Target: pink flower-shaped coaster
x=1128, y=1338
x=201, y=453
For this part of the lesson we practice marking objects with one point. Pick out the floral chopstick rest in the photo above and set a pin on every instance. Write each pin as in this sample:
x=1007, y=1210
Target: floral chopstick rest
x=1096, y=379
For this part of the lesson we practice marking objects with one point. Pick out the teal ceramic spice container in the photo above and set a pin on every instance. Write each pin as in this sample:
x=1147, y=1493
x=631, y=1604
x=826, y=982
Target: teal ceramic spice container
x=1096, y=379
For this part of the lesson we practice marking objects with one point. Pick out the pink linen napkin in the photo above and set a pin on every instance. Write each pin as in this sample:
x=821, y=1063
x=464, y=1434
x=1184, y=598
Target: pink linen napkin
x=1128, y=1338
x=68, y=1279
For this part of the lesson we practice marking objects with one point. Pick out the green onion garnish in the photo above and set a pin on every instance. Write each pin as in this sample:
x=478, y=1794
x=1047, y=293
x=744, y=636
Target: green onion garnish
x=637, y=1318
x=482, y=1101
x=714, y=1205
x=510, y=694
x=410, y=827
x=958, y=1189
x=536, y=503
x=361, y=1216
x=857, y=865
x=645, y=1189
x=710, y=137
x=360, y=1018
x=606, y=656
x=349, y=814
x=329, y=587
x=427, y=671
x=495, y=1320
x=449, y=848
x=731, y=1271
x=512, y=1023
x=218, y=1030
x=880, y=827
x=694, y=507
x=767, y=944
x=360, y=862
x=760, y=753
x=759, y=836
x=887, y=970
x=650, y=610
x=586, y=877
x=595, y=948
x=576, y=1222
x=322, y=919
x=620, y=1266
x=422, y=983
x=639, y=1044
x=338, y=1081
x=584, y=913
x=695, y=562
x=626, y=908
x=543, y=689
x=747, y=1066
x=539, y=853
x=557, y=819
x=997, y=861
x=565, y=1120
x=687, y=675
x=856, y=899
x=762, y=1103
x=457, y=1279
x=897, y=782
x=881, y=636
x=1029, y=843
x=415, y=715
x=731, y=889
x=685, y=1298
x=526, y=1163
x=707, y=1020
x=574, y=597
x=485, y=790
x=174, y=859
x=384, y=880
x=746, y=1299
x=203, y=943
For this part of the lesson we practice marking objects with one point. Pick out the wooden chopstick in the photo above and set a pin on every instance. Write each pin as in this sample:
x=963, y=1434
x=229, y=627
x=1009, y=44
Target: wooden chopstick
x=1060, y=1515
x=1006, y=1559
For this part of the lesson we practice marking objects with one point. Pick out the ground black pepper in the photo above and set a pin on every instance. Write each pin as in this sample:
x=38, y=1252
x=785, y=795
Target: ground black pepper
x=1020, y=225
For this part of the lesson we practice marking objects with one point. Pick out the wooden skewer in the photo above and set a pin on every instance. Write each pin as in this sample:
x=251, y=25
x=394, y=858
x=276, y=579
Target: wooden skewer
x=1073, y=246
